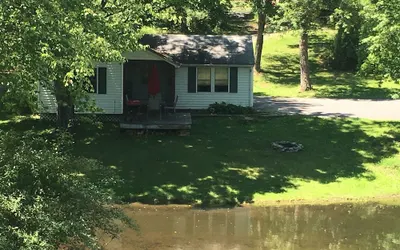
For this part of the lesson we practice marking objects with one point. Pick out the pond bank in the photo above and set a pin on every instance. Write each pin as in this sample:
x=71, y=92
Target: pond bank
x=383, y=200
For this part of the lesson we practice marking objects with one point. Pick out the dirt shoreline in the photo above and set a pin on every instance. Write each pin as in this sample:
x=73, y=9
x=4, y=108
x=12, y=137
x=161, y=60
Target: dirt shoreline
x=384, y=200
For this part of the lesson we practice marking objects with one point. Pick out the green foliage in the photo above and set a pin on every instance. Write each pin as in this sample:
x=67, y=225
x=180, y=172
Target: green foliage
x=381, y=36
x=18, y=98
x=348, y=22
x=46, y=199
x=301, y=14
x=58, y=41
x=264, y=6
x=191, y=16
x=227, y=108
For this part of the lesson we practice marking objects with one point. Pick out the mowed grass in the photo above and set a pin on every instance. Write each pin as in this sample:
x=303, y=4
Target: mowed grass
x=230, y=161
x=280, y=76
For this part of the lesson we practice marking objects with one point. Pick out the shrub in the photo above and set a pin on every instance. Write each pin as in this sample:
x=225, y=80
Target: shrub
x=15, y=99
x=226, y=108
x=346, y=52
x=46, y=198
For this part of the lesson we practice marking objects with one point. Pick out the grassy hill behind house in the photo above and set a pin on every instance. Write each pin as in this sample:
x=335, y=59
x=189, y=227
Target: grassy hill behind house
x=280, y=76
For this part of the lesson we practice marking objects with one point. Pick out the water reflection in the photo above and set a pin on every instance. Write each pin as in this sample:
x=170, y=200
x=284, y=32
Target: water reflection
x=333, y=227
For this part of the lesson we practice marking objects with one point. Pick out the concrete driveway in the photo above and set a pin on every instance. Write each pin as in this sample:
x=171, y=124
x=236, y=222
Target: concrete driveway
x=370, y=109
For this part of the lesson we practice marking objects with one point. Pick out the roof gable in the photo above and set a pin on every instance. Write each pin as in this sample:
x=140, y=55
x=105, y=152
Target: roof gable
x=207, y=49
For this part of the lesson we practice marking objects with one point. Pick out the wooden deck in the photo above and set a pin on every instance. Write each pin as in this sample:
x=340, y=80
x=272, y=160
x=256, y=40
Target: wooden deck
x=176, y=121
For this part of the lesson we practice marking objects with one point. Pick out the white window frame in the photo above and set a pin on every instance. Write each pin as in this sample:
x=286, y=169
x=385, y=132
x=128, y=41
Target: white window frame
x=212, y=69
x=97, y=81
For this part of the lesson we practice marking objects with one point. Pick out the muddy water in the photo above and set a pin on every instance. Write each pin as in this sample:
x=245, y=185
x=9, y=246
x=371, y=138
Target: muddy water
x=367, y=226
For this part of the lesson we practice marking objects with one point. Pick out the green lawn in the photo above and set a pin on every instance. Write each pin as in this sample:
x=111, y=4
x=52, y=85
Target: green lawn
x=241, y=6
x=226, y=160
x=281, y=71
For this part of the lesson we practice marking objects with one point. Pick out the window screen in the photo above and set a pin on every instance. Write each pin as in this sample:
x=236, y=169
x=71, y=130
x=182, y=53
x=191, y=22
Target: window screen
x=203, y=79
x=221, y=80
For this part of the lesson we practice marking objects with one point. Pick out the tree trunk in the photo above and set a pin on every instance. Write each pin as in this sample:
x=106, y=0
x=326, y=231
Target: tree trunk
x=305, y=83
x=184, y=26
x=63, y=115
x=64, y=106
x=260, y=39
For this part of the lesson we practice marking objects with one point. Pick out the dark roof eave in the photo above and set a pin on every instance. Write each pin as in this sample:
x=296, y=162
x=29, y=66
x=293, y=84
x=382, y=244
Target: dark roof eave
x=166, y=58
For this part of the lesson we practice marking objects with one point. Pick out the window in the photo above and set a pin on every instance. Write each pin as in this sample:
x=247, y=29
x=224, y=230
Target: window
x=99, y=80
x=212, y=79
x=203, y=79
x=221, y=80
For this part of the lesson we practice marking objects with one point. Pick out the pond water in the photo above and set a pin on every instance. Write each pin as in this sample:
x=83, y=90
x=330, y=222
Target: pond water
x=348, y=226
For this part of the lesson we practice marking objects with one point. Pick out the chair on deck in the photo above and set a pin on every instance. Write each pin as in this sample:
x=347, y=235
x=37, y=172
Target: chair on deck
x=172, y=107
x=154, y=104
x=133, y=107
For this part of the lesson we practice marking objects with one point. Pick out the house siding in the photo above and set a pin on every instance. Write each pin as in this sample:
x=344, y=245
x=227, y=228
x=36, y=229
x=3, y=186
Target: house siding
x=110, y=103
x=47, y=101
x=202, y=100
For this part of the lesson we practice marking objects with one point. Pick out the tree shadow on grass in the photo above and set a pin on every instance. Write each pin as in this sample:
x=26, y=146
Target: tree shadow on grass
x=328, y=84
x=347, y=85
x=283, y=69
x=226, y=161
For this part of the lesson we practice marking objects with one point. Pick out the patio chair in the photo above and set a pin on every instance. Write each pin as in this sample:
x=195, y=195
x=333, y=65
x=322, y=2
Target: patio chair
x=133, y=107
x=173, y=106
x=154, y=104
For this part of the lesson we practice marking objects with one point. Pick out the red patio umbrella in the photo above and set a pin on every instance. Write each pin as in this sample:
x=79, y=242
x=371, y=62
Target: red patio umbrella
x=154, y=82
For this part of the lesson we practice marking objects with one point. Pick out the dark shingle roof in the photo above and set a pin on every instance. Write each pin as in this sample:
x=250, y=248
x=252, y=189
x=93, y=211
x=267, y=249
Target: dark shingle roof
x=203, y=49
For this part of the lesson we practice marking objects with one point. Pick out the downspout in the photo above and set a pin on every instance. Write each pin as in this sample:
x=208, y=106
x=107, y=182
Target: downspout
x=251, y=96
x=122, y=89
x=39, y=99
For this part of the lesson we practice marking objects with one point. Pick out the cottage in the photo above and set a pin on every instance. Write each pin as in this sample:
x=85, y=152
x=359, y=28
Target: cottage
x=200, y=69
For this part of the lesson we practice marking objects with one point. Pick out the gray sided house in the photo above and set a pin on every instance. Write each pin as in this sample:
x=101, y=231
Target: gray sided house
x=200, y=69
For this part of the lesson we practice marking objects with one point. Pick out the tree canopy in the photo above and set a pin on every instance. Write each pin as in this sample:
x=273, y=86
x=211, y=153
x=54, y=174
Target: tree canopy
x=381, y=35
x=58, y=41
x=190, y=16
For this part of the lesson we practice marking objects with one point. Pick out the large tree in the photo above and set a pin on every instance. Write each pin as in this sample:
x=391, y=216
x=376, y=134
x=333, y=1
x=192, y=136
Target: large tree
x=381, y=36
x=303, y=15
x=189, y=16
x=263, y=8
x=55, y=43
